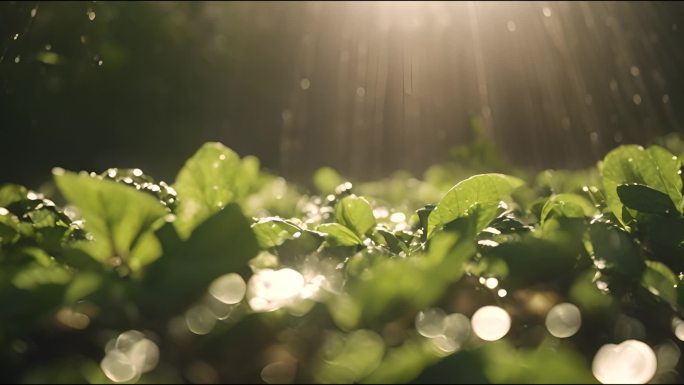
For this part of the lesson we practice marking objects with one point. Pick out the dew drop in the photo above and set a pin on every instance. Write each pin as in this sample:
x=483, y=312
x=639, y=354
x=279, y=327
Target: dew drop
x=631, y=362
x=117, y=367
x=200, y=320
x=229, y=289
x=563, y=320
x=492, y=283
x=430, y=323
x=491, y=323
x=456, y=327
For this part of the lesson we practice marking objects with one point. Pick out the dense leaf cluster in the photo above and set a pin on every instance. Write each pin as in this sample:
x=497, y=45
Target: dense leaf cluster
x=124, y=252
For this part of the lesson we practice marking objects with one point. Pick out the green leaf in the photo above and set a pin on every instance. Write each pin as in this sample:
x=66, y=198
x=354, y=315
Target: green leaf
x=404, y=363
x=654, y=167
x=248, y=175
x=393, y=286
x=348, y=358
x=326, y=179
x=222, y=244
x=487, y=190
x=119, y=218
x=616, y=251
x=355, y=213
x=393, y=243
x=645, y=199
x=567, y=205
x=82, y=286
x=273, y=232
x=207, y=182
x=10, y=193
x=660, y=281
x=9, y=227
x=339, y=235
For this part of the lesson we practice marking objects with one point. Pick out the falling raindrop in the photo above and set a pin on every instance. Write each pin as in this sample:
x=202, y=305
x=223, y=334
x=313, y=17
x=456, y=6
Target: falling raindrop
x=491, y=323
x=511, y=26
x=634, y=70
x=546, y=11
x=91, y=14
x=666, y=99
x=502, y=293
x=305, y=84
x=17, y=59
x=360, y=92
x=34, y=12
x=15, y=37
x=636, y=98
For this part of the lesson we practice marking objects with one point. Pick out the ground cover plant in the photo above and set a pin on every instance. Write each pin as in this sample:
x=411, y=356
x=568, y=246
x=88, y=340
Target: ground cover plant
x=231, y=273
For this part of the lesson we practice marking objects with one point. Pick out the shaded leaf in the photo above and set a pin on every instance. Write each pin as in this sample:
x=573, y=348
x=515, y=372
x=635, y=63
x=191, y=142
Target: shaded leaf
x=645, y=199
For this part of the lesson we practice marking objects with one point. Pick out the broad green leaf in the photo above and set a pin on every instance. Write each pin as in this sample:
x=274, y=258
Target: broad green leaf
x=615, y=251
x=348, y=358
x=394, y=286
x=119, y=218
x=10, y=193
x=487, y=190
x=9, y=227
x=326, y=179
x=82, y=286
x=660, y=281
x=206, y=184
x=568, y=205
x=404, y=363
x=645, y=199
x=393, y=243
x=272, y=232
x=339, y=235
x=36, y=275
x=247, y=177
x=355, y=213
x=654, y=167
x=222, y=244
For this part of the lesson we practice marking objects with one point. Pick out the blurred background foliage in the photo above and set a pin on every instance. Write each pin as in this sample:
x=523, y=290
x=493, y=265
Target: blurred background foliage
x=365, y=88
